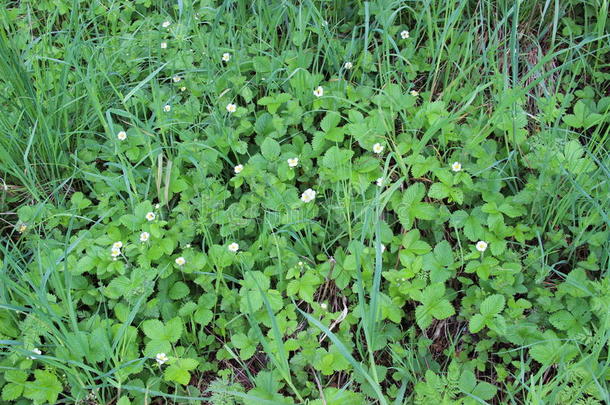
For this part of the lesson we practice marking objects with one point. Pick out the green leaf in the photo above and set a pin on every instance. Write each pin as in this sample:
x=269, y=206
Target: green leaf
x=173, y=330
x=479, y=389
x=442, y=309
x=476, y=323
x=203, y=316
x=12, y=391
x=261, y=64
x=44, y=389
x=79, y=201
x=439, y=191
x=411, y=207
x=413, y=246
x=434, y=305
x=152, y=328
x=582, y=117
x=485, y=391
x=423, y=211
x=270, y=149
x=124, y=400
x=179, y=371
x=179, y=290
x=423, y=318
x=15, y=376
x=444, y=253
x=563, y=320
x=246, y=346
x=330, y=120
x=155, y=346
x=305, y=287
x=492, y=305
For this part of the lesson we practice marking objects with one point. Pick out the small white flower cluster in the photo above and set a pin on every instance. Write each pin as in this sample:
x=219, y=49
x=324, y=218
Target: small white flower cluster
x=115, y=251
x=292, y=162
x=165, y=25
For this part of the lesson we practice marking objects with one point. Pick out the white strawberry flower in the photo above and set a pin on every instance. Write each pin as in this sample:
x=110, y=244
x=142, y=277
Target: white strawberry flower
x=115, y=252
x=144, y=237
x=231, y=108
x=233, y=247
x=35, y=351
x=161, y=358
x=404, y=34
x=456, y=166
x=348, y=65
x=293, y=162
x=163, y=45
x=308, y=195
x=226, y=57
x=166, y=24
x=414, y=93
x=318, y=92
x=481, y=246
x=151, y=216
x=180, y=261
x=378, y=148
x=117, y=245
x=237, y=169
x=122, y=135
x=167, y=108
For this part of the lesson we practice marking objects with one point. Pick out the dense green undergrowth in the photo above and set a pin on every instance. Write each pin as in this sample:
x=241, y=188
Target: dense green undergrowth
x=311, y=202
